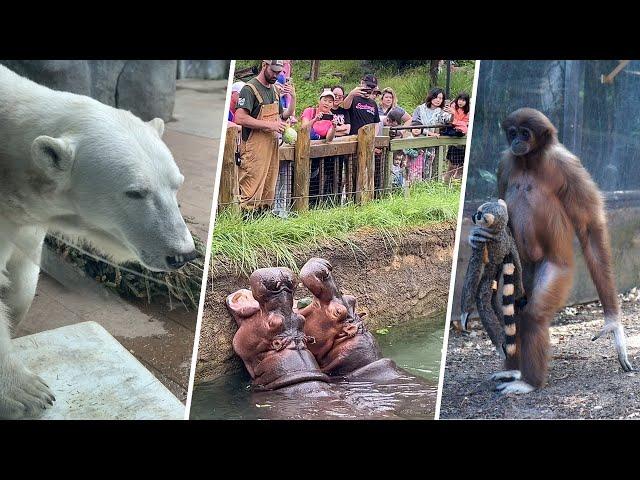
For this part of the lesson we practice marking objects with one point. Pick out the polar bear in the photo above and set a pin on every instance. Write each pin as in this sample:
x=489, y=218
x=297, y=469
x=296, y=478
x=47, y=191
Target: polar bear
x=72, y=164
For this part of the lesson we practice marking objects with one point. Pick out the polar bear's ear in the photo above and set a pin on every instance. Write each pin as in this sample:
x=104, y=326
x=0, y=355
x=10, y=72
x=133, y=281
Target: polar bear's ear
x=158, y=125
x=53, y=155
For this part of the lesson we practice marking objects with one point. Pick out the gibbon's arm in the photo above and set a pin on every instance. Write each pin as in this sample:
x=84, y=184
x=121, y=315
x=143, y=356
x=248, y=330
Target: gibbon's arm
x=584, y=205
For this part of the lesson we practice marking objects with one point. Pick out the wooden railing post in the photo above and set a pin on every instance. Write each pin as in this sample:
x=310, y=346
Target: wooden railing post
x=229, y=195
x=302, y=171
x=366, y=163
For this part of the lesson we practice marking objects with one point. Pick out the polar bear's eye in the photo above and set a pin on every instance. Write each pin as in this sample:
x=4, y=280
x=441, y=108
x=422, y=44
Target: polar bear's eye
x=137, y=194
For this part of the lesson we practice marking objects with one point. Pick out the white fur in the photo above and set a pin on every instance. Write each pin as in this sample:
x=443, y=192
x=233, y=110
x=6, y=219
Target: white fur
x=511, y=349
x=509, y=268
x=612, y=325
x=510, y=329
x=517, y=387
x=508, y=309
x=508, y=289
x=66, y=164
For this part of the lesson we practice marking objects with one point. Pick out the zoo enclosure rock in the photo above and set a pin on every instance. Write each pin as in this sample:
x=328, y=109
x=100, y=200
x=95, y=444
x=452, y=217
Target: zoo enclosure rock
x=392, y=283
x=204, y=69
x=144, y=87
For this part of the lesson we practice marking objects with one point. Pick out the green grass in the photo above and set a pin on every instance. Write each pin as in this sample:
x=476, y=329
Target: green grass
x=242, y=247
x=411, y=85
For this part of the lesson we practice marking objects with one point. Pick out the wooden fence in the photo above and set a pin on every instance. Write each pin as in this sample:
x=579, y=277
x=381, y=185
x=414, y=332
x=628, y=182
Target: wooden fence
x=361, y=174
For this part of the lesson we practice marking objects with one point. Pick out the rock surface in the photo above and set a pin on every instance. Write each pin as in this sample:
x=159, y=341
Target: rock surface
x=144, y=87
x=204, y=69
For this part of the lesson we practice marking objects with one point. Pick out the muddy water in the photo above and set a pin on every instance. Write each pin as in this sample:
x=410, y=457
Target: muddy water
x=415, y=346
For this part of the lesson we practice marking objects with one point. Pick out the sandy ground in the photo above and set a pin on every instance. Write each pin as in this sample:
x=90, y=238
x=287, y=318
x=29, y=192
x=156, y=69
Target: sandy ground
x=585, y=378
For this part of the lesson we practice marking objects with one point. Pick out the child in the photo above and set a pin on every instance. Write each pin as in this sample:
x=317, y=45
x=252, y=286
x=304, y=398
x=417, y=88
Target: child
x=459, y=109
x=397, y=170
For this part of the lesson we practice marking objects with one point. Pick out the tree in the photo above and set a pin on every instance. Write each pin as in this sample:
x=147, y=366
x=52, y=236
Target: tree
x=433, y=73
x=315, y=69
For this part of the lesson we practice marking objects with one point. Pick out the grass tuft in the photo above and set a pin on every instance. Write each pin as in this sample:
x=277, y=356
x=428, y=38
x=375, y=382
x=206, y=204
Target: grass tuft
x=242, y=247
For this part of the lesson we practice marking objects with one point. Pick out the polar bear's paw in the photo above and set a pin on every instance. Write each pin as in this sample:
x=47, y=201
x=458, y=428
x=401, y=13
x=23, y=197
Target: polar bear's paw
x=22, y=393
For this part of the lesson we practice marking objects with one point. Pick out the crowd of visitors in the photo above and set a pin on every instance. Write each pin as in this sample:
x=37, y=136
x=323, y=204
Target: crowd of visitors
x=265, y=106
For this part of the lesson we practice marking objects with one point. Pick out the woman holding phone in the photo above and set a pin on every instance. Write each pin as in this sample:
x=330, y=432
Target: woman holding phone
x=320, y=118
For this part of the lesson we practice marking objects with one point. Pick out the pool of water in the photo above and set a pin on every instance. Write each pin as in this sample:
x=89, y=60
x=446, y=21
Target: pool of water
x=415, y=346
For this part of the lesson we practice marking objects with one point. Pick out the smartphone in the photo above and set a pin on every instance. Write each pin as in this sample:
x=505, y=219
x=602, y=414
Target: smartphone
x=327, y=116
x=367, y=91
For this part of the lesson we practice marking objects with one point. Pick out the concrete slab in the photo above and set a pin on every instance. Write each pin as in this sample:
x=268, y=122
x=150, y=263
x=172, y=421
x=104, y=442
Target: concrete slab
x=198, y=108
x=197, y=158
x=94, y=377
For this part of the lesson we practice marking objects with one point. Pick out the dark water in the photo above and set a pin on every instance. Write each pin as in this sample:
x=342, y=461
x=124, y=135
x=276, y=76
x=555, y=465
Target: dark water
x=415, y=346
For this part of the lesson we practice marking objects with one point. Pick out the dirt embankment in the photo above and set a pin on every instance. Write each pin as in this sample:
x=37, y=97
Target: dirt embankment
x=392, y=282
x=585, y=378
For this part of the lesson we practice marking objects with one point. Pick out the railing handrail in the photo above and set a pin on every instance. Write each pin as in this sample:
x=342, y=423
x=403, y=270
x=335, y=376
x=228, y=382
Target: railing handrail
x=348, y=145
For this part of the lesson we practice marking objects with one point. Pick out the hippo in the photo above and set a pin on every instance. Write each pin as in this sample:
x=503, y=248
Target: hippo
x=270, y=339
x=343, y=346
x=296, y=363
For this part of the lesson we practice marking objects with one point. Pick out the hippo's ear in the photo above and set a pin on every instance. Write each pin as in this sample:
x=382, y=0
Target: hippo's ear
x=158, y=125
x=53, y=155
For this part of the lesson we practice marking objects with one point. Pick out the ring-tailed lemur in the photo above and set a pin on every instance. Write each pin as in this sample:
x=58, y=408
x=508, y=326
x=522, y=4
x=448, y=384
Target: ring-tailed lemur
x=499, y=255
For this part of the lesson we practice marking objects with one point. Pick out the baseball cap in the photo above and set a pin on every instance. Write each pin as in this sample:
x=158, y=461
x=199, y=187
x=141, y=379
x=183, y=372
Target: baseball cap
x=370, y=81
x=327, y=93
x=276, y=65
x=237, y=86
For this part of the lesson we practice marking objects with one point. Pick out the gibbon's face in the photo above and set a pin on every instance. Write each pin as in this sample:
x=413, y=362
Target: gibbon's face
x=521, y=140
x=528, y=130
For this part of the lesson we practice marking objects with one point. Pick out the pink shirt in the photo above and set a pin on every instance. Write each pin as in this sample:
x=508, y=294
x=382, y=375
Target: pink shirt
x=460, y=120
x=321, y=127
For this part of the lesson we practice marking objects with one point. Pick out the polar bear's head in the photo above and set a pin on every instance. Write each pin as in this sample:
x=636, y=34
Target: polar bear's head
x=111, y=180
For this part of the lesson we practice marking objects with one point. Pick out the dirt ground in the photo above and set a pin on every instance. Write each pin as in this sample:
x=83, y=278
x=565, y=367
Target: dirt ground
x=392, y=283
x=585, y=378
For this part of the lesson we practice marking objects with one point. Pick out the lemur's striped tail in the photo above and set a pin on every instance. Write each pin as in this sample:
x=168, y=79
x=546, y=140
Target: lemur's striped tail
x=508, y=300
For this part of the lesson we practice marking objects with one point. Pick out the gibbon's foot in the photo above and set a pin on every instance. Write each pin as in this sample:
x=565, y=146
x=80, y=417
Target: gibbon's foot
x=478, y=236
x=519, y=386
x=506, y=376
x=620, y=342
x=22, y=393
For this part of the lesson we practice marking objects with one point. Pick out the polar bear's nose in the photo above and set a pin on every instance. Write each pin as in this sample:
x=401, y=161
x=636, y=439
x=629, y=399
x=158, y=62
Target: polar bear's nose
x=177, y=261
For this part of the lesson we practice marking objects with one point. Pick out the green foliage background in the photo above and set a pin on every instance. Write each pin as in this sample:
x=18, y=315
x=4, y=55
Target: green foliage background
x=408, y=78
